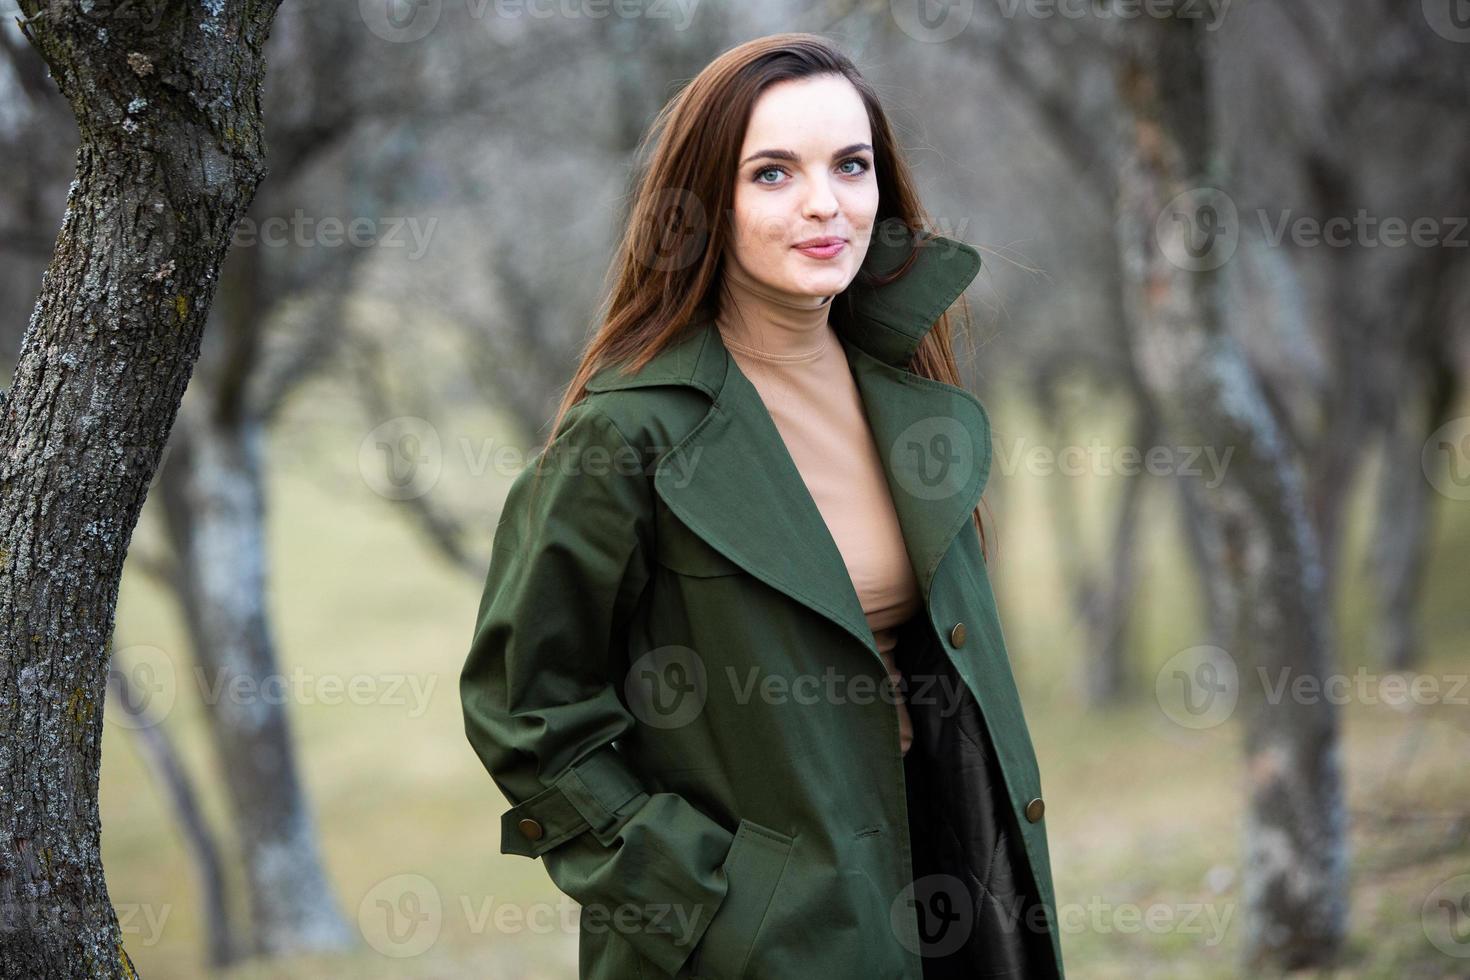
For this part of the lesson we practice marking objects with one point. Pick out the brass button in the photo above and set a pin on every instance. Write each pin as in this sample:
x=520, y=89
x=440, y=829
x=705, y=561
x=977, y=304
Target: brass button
x=957, y=635
x=1034, y=809
x=531, y=829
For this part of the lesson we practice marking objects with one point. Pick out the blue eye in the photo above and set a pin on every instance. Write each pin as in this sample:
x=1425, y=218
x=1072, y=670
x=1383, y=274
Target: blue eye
x=863, y=167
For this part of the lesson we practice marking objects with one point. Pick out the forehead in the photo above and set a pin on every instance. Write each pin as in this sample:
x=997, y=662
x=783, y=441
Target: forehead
x=821, y=111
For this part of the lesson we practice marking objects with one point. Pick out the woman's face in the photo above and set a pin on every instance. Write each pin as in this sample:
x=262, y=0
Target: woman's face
x=805, y=176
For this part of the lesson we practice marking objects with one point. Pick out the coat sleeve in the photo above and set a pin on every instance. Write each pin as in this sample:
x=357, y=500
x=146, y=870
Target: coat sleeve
x=540, y=691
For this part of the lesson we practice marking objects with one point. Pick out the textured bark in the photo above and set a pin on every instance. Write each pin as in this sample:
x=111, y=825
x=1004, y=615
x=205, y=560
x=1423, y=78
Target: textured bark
x=1263, y=535
x=167, y=100
x=1216, y=582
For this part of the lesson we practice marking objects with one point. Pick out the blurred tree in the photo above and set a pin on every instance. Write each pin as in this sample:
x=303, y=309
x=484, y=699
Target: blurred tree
x=1329, y=120
x=1056, y=74
x=1257, y=527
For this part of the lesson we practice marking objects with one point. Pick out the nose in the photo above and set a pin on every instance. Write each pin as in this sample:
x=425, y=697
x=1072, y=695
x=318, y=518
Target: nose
x=820, y=203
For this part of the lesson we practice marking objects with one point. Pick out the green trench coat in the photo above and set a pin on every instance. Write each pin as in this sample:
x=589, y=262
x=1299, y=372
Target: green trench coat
x=672, y=680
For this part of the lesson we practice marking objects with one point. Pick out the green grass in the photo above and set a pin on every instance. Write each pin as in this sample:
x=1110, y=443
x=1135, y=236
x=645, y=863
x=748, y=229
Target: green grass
x=1142, y=814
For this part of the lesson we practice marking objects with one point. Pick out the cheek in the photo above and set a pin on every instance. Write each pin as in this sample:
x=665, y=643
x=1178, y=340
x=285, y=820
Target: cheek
x=761, y=220
x=860, y=201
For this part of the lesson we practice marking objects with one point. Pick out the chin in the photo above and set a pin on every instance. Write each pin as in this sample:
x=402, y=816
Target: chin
x=824, y=283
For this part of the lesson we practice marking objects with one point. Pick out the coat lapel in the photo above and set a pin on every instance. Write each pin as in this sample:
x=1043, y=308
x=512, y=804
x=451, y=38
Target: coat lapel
x=935, y=442
x=732, y=481
x=735, y=484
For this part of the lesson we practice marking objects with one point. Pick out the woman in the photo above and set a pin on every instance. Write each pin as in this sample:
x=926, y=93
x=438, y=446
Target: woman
x=737, y=664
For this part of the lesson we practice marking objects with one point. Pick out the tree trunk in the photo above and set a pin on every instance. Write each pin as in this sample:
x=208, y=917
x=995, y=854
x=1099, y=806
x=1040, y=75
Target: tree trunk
x=171, y=154
x=1404, y=525
x=173, y=779
x=1296, y=860
x=215, y=514
x=1102, y=589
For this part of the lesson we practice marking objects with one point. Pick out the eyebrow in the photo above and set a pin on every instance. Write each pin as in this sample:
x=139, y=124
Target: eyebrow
x=794, y=158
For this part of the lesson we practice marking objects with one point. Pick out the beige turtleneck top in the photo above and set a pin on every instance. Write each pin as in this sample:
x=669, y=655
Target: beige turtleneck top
x=790, y=353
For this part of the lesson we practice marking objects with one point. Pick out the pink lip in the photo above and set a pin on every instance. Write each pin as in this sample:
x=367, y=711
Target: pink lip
x=821, y=248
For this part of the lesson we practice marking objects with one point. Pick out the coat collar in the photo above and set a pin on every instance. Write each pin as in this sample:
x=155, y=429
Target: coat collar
x=732, y=481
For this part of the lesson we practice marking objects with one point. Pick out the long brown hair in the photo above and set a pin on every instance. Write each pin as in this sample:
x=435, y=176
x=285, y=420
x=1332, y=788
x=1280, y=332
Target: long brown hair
x=667, y=268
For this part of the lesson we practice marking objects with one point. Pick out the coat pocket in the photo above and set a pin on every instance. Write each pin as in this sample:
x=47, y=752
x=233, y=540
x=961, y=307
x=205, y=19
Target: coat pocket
x=754, y=865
